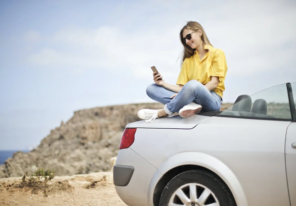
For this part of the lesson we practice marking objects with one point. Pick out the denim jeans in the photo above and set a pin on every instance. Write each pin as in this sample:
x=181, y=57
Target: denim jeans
x=192, y=91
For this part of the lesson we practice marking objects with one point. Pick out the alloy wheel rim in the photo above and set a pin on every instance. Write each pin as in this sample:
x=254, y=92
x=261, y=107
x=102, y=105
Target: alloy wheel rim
x=193, y=194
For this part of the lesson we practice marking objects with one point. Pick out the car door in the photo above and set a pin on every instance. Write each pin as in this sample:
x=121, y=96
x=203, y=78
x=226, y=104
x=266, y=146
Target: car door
x=291, y=150
x=291, y=161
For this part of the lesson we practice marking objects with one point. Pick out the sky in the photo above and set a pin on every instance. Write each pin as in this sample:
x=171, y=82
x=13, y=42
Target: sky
x=57, y=57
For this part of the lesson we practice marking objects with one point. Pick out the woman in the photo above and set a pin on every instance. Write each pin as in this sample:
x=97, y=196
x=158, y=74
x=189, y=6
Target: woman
x=200, y=84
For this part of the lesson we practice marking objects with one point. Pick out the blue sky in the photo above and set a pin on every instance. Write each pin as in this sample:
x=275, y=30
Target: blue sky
x=61, y=56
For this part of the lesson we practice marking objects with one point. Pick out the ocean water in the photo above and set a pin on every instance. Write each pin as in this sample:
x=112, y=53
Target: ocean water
x=5, y=154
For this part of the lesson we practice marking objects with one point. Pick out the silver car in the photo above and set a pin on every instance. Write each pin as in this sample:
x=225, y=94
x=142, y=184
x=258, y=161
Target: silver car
x=243, y=156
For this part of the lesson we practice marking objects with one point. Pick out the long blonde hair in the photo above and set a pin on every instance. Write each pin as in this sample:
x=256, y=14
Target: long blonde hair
x=194, y=26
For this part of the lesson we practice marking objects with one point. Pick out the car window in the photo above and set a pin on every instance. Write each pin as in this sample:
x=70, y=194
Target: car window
x=271, y=103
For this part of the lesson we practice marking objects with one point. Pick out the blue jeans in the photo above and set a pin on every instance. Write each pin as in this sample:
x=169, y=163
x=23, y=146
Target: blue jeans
x=192, y=91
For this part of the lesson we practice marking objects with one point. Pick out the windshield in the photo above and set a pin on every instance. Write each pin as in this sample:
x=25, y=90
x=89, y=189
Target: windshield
x=271, y=103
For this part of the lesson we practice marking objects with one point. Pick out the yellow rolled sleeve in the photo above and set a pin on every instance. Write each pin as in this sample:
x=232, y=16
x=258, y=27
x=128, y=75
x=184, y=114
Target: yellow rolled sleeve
x=219, y=66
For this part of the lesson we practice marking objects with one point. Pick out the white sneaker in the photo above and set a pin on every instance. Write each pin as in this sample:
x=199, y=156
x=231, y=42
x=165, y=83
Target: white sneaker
x=149, y=114
x=190, y=109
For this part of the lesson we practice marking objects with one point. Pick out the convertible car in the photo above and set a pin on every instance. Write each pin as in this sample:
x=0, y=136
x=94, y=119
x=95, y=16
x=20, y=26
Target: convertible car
x=242, y=156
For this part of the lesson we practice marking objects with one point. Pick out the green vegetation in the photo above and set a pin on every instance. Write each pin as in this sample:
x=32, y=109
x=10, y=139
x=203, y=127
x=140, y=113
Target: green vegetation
x=37, y=181
x=43, y=174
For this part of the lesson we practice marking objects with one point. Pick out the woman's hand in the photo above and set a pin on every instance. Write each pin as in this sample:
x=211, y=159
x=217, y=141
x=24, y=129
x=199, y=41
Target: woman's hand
x=173, y=96
x=213, y=83
x=158, y=79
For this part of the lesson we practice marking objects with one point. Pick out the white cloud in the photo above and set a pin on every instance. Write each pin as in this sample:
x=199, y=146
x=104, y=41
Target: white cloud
x=110, y=48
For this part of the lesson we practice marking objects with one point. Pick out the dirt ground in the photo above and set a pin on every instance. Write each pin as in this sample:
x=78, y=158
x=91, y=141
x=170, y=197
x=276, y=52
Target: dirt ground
x=96, y=189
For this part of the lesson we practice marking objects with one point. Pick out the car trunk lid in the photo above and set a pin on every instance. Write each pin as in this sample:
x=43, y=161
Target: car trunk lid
x=174, y=122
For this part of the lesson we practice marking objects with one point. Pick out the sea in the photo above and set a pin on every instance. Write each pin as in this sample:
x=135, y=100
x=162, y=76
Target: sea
x=5, y=154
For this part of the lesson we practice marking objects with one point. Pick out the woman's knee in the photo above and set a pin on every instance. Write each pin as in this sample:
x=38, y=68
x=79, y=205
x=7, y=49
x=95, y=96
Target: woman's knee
x=192, y=85
x=151, y=89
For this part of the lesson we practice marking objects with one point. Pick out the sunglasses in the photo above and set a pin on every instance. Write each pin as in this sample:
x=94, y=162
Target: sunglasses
x=188, y=36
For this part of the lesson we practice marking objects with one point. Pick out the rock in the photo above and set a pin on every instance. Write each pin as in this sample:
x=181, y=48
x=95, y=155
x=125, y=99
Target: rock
x=13, y=169
x=2, y=171
x=113, y=162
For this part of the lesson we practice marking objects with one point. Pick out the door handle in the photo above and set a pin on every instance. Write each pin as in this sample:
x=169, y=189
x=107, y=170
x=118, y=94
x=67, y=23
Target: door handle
x=294, y=145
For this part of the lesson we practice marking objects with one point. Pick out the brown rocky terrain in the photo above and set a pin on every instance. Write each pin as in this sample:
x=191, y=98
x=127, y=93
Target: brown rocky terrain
x=82, y=145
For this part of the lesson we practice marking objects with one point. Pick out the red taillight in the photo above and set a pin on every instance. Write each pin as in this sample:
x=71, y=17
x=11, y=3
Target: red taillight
x=128, y=138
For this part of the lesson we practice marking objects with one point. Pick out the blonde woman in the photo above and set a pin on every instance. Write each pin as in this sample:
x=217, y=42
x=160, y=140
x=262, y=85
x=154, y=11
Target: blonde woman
x=200, y=84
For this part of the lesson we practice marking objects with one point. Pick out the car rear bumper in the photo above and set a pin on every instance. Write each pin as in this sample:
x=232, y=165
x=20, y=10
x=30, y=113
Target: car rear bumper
x=122, y=174
x=134, y=174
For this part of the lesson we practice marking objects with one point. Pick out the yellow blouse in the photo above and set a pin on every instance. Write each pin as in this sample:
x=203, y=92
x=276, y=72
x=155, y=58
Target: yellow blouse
x=212, y=64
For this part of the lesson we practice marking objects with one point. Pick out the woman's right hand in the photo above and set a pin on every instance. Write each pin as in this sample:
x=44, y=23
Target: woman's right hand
x=173, y=96
x=158, y=79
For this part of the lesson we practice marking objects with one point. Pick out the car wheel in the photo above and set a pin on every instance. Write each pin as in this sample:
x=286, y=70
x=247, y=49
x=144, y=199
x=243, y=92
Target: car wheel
x=196, y=188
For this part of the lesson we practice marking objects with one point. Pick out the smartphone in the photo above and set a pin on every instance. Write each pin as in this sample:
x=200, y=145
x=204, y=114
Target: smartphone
x=155, y=70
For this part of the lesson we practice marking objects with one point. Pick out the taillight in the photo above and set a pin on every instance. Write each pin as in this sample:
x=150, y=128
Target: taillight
x=128, y=138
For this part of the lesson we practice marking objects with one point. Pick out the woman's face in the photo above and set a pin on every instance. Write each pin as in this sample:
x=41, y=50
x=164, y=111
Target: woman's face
x=195, y=41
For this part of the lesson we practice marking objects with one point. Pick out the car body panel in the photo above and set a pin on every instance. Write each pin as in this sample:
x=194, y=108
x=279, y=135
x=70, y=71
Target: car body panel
x=251, y=149
x=136, y=192
x=174, y=122
x=209, y=162
x=291, y=162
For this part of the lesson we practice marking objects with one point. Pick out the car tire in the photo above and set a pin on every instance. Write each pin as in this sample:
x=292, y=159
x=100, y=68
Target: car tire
x=196, y=188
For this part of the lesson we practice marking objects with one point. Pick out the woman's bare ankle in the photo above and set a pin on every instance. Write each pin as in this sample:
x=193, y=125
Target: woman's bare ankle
x=162, y=113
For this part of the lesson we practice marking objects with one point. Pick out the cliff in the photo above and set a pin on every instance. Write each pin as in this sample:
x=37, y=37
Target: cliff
x=82, y=145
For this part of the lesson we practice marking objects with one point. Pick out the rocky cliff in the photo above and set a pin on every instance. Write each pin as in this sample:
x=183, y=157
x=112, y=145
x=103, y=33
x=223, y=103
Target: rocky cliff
x=82, y=145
